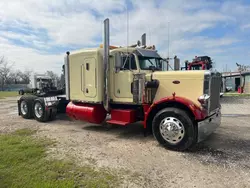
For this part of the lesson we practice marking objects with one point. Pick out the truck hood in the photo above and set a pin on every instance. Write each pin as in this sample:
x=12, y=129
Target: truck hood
x=187, y=84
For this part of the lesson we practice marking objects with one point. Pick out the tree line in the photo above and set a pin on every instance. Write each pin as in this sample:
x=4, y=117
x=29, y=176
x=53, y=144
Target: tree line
x=8, y=75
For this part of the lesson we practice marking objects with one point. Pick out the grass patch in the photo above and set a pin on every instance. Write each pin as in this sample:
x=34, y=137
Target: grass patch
x=236, y=94
x=23, y=163
x=4, y=94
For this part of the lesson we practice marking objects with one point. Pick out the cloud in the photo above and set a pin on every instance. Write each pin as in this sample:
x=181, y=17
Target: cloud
x=25, y=58
x=36, y=34
x=245, y=26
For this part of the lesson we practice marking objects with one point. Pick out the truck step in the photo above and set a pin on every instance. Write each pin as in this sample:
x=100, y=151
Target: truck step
x=117, y=122
x=122, y=117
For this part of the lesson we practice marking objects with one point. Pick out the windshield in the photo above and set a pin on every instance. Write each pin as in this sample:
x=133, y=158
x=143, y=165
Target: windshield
x=150, y=63
x=196, y=67
x=43, y=80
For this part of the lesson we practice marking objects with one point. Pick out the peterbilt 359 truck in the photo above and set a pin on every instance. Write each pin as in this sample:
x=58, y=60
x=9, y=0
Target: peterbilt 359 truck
x=125, y=85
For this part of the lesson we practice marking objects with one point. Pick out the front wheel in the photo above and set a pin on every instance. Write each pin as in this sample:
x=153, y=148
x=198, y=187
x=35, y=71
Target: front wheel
x=174, y=129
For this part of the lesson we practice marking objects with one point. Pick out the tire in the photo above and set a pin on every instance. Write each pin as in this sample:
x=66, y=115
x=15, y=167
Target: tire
x=39, y=111
x=28, y=100
x=21, y=92
x=25, y=108
x=186, y=135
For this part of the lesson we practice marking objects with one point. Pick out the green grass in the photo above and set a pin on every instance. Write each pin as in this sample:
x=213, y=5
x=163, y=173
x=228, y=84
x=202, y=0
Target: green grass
x=236, y=94
x=23, y=163
x=4, y=94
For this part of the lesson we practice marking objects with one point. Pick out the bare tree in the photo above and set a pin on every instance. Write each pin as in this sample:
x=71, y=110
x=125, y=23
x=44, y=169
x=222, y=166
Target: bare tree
x=13, y=78
x=5, y=70
x=2, y=60
x=52, y=74
x=54, y=77
x=26, y=76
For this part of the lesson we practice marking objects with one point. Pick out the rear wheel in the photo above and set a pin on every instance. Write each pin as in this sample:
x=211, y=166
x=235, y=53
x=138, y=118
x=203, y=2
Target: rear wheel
x=25, y=109
x=40, y=112
x=25, y=106
x=174, y=129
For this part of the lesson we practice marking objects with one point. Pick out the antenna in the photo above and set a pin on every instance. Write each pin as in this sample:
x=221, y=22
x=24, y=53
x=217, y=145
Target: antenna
x=127, y=28
x=168, y=39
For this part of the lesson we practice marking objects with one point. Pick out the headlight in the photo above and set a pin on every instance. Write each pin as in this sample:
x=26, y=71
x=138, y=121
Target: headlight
x=203, y=99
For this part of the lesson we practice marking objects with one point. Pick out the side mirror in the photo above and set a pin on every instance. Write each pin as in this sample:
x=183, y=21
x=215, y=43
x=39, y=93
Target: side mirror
x=118, y=61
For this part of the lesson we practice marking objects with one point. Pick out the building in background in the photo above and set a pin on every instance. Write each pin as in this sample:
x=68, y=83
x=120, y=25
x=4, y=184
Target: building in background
x=236, y=82
x=246, y=82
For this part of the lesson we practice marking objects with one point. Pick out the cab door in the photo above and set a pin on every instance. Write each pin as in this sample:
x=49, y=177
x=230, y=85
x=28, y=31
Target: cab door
x=123, y=80
x=89, y=77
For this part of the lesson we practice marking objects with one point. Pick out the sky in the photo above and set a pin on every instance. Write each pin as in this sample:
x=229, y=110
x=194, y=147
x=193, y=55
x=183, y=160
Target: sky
x=35, y=35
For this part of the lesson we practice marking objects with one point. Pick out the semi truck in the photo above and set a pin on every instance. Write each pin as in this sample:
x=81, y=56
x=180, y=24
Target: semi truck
x=40, y=84
x=125, y=85
x=199, y=63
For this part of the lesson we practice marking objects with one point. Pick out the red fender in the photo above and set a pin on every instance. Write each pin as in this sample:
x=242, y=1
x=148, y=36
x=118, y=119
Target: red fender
x=199, y=114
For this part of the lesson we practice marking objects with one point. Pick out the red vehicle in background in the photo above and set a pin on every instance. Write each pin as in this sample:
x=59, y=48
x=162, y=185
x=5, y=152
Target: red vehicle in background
x=198, y=63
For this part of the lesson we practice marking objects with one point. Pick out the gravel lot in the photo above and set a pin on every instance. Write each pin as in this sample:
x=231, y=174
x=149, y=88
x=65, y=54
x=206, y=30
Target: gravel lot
x=222, y=160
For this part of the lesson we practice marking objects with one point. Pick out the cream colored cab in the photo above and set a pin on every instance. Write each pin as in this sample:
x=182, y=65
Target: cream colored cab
x=86, y=77
x=190, y=83
x=121, y=81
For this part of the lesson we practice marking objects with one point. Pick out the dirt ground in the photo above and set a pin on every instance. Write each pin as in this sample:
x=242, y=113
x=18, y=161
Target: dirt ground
x=223, y=160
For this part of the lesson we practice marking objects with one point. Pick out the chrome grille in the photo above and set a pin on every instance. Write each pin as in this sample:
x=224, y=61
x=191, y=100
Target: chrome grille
x=214, y=92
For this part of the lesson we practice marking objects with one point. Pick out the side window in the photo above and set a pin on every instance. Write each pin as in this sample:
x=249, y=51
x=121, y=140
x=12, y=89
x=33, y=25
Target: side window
x=87, y=66
x=128, y=63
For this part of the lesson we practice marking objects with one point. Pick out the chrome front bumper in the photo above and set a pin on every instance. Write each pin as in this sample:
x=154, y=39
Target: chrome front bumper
x=209, y=125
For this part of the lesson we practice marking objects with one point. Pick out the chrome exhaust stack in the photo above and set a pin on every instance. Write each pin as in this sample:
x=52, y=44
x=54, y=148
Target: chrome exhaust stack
x=106, y=65
x=176, y=63
x=143, y=40
x=66, y=75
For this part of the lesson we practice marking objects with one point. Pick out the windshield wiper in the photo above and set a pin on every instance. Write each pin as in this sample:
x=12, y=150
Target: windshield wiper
x=151, y=62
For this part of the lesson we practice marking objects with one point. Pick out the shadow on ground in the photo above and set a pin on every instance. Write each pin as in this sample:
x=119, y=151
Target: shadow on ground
x=132, y=132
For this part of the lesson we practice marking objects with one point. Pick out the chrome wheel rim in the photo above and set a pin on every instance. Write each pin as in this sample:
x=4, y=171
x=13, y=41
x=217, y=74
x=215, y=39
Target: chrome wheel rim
x=172, y=130
x=38, y=110
x=24, y=107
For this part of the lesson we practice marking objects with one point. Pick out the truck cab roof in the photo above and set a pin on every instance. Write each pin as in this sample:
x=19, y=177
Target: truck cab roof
x=139, y=51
